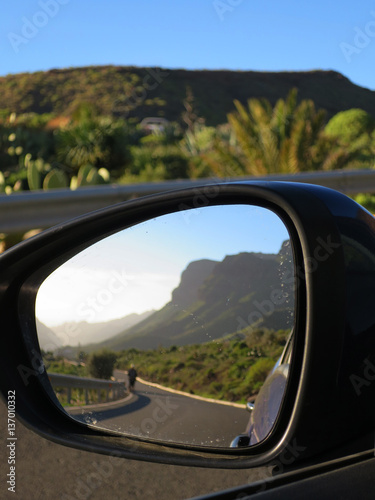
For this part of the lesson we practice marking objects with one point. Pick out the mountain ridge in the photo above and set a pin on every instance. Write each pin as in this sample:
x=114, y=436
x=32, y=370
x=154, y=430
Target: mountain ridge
x=55, y=337
x=234, y=295
x=113, y=88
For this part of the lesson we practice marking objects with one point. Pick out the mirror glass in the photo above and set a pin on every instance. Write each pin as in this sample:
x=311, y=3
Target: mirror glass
x=166, y=330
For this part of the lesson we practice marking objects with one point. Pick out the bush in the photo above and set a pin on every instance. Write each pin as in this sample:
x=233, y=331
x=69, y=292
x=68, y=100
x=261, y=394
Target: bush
x=367, y=201
x=258, y=373
x=101, y=364
x=156, y=163
x=350, y=125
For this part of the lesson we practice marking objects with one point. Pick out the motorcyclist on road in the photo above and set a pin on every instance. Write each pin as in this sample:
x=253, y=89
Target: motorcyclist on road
x=132, y=376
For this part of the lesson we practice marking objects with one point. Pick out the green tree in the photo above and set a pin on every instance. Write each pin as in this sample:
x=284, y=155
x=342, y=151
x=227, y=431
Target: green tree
x=101, y=364
x=350, y=125
x=286, y=138
x=354, y=130
x=100, y=142
x=150, y=162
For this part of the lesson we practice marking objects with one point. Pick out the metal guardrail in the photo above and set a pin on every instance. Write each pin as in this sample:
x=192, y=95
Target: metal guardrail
x=20, y=212
x=70, y=382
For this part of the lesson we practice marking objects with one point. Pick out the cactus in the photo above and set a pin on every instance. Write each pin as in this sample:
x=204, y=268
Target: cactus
x=17, y=186
x=40, y=175
x=2, y=182
x=83, y=174
x=55, y=179
x=74, y=183
x=93, y=177
x=90, y=176
x=33, y=175
x=105, y=175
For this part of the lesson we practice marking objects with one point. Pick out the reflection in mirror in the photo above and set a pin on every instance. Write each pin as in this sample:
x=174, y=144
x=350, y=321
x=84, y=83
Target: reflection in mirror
x=166, y=330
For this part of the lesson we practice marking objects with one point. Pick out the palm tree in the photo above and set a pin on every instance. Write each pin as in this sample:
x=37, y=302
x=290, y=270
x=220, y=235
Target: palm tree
x=286, y=138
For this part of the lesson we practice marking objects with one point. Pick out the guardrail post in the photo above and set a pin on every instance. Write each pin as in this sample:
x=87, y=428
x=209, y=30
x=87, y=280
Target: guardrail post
x=106, y=390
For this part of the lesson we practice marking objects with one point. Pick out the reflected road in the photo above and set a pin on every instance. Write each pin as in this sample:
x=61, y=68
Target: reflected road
x=159, y=414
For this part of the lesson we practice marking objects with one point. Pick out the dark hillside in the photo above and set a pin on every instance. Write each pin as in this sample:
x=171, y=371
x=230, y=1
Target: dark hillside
x=140, y=92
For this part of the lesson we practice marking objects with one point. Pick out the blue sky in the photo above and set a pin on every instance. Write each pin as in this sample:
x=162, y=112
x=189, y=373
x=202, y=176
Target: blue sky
x=193, y=34
x=136, y=269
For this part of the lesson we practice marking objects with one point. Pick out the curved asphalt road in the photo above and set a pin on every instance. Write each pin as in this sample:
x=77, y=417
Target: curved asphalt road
x=163, y=415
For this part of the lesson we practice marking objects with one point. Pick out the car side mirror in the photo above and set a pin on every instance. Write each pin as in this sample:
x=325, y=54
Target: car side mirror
x=250, y=406
x=190, y=303
x=225, y=285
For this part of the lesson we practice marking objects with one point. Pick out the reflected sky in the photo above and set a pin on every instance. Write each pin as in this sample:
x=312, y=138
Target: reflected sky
x=136, y=269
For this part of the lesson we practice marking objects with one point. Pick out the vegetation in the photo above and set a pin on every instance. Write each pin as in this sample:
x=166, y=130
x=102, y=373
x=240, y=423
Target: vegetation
x=58, y=364
x=130, y=92
x=367, y=200
x=286, y=138
x=354, y=131
x=101, y=364
x=92, y=143
x=231, y=369
x=350, y=125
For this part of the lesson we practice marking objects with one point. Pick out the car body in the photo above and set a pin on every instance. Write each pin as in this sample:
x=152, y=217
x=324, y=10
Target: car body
x=265, y=409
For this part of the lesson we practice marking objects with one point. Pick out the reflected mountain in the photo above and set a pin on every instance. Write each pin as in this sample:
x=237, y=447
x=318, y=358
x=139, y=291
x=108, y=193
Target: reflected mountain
x=214, y=299
x=74, y=334
x=48, y=340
